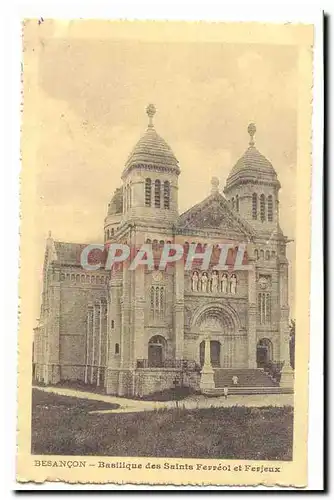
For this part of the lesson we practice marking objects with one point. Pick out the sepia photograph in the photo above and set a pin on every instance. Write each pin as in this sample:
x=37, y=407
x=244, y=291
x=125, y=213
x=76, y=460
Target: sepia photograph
x=160, y=186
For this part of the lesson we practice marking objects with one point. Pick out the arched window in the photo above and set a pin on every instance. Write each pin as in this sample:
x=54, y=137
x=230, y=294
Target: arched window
x=273, y=254
x=112, y=323
x=166, y=195
x=157, y=193
x=112, y=232
x=270, y=208
x=116, y=348
x=233, y=205
x=256, y=254
x=264, y=308
x=148, y=192
x=157, y=301
x=267, y=255
x=237, y=203
x=261, y=254
x=262, y=207
x=254, y=206
x=268, y=308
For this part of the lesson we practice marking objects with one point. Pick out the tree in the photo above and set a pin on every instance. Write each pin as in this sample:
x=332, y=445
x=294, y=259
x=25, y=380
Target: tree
x=292, y=327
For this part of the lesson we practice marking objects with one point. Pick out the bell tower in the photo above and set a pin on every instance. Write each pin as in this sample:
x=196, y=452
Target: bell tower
x=252, y=188
x=150, y=178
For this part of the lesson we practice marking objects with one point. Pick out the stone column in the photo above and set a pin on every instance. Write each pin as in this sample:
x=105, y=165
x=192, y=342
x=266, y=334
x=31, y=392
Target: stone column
x=126, y=318
x=88, y=339
x=107, y=335
x=207, y=381
x=94, y=335
x=99, y=356
x=179, y=308
x=126, y=333
x=287, y=375
x=115, y=311
x=252, y=314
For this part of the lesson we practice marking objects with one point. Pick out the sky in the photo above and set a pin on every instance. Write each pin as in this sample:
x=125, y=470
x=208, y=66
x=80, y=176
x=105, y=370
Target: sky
x=84, y=110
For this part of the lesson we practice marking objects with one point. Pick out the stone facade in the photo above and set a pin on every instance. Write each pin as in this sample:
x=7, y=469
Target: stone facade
x=142, y=331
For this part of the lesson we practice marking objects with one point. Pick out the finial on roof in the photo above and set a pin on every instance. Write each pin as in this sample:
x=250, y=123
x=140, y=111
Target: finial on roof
x=49, y=234
x=150, y=110
x=214, y=185
x=251, y=130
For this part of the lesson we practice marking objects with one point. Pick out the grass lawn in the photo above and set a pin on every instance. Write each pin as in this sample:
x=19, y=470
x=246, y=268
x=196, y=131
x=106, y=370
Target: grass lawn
x=62, y=425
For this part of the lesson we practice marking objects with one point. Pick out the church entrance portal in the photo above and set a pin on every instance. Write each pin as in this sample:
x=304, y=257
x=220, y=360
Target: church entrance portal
x=264, y=353
x=156, y=351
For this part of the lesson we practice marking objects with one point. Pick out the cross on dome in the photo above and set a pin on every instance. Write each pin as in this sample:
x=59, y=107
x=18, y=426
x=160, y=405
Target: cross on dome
x=150, y=110
x=251, y=130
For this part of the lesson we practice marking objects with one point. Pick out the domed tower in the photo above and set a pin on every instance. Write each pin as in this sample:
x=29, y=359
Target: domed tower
x=114, y=215
x=252, y=188
x=150, y=178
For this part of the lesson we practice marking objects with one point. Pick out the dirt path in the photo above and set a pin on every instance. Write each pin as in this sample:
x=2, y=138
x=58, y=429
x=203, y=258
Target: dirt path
x=190, y=403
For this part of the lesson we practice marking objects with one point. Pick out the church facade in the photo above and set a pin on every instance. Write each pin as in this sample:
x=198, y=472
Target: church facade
x=142, y=331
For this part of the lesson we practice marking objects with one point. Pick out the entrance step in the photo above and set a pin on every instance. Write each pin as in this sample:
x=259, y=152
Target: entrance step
x=247, y=377
x=249, y=390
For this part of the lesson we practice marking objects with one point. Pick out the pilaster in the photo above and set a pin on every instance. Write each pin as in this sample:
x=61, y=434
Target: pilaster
x=179, y=309
x=287, y=375
x=126, y=340
x=89, y=342
x=140, y=346
x=252, y=314
x=52, y=338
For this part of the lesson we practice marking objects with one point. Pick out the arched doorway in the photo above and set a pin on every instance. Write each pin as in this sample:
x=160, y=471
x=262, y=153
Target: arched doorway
x=264, y=351
x=214, y=353
x=156, y=351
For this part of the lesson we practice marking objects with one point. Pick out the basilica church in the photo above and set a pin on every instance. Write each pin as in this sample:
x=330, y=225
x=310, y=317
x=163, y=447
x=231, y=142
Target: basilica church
x=138, y=332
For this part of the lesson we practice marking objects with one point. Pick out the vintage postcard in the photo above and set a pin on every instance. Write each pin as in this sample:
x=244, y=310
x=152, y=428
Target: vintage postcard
x=165, y=236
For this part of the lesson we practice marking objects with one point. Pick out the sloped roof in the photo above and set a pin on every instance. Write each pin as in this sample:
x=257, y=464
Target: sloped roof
x=70, y=253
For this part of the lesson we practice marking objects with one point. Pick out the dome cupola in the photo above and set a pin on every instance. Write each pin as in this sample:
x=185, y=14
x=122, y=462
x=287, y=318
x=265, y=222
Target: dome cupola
x=150, y=178
x=252, y=165
x=151, y=151
x=252, y=187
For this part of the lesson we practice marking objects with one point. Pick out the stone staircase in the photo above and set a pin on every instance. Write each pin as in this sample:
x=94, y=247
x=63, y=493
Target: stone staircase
x=247, y=378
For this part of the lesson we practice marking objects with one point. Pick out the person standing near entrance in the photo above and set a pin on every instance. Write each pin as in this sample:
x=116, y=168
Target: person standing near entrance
x=235, y=379
x=225, y=392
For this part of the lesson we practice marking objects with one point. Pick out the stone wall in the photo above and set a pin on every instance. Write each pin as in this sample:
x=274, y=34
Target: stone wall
x=112, y=381
x=150, y=380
